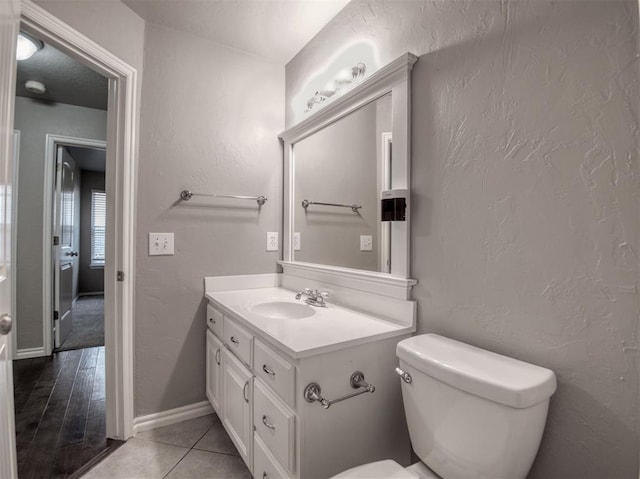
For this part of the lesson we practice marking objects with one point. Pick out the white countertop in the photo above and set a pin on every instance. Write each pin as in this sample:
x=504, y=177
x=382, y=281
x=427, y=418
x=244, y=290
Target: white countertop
x=328, y=329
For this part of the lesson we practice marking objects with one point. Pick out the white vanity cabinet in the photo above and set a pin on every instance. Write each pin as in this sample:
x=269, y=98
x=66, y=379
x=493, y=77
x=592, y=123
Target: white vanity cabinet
x=260, y=400
x=214, y=370
x=237, y=391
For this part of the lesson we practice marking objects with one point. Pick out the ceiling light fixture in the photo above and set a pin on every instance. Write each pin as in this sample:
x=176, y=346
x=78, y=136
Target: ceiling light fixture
x=35, y=87
x=27, y=46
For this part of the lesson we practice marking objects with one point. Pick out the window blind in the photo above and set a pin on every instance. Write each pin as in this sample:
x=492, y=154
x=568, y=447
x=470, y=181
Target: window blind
x=98, y=226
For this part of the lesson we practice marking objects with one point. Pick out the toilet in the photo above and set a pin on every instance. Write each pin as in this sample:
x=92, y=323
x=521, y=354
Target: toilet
x=471, y=413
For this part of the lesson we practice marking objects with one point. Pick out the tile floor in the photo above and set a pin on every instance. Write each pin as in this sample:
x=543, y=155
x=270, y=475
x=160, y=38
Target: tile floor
x=197, y=448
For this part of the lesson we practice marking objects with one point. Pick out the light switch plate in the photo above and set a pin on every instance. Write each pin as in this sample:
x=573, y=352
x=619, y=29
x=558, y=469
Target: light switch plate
x=296, y=242
x=272, y=241
x=366, y=243
x=160, y=244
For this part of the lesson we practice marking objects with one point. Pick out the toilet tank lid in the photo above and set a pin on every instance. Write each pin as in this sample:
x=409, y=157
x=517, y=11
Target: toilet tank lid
x=492, y=376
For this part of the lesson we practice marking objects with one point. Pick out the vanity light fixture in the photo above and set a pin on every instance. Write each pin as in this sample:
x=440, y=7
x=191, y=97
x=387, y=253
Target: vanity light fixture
x=27, y=46
x=343, y=79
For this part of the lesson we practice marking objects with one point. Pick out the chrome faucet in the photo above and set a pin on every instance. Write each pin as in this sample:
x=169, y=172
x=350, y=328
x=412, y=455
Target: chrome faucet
x=314, y=297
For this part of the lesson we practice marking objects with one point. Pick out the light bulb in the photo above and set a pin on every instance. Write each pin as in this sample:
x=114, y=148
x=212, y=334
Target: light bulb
x=26, y=47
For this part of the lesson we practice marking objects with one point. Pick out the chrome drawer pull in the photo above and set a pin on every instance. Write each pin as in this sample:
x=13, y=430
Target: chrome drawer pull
x=234, y=340
x=405, y=376
x=268, y=370
x=217, y=357
x=244, y=392
x=266, y=422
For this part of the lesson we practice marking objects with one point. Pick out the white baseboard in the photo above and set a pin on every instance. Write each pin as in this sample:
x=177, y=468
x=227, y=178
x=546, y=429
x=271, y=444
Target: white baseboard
x=28, y=353
x=171, y=416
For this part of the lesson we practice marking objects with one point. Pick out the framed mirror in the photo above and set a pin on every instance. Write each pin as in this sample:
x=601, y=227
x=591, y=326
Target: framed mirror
x=337, y=162
x=339, y=172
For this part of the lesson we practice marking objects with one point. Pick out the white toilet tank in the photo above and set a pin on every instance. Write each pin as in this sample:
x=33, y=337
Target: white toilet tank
x=473, y=413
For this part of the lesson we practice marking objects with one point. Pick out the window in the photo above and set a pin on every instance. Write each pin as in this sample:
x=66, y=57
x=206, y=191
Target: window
x=98, y=223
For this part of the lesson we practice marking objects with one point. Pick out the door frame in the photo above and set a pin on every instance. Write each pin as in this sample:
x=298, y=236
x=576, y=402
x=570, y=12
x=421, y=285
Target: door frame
x=120, y=184
x=52, y=143
x=14, y=240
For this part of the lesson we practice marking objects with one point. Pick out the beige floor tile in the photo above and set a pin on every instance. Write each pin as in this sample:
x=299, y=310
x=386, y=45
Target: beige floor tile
x=138, y=459
x=216, y=440
x=185, y=433
x=210, y=465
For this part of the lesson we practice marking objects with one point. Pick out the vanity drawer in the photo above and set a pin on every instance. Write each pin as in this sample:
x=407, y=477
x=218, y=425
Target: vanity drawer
x=275, y=371
x=238, y=340
x=275, y=424
x=264, y=464
x=214, y=320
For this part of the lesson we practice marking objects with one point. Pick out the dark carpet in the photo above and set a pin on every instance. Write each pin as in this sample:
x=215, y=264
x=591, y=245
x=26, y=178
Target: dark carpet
x=88, y=324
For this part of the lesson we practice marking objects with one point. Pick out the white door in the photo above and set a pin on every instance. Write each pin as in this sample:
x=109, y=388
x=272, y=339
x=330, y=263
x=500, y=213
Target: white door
x=65, y=249
x=9, y=19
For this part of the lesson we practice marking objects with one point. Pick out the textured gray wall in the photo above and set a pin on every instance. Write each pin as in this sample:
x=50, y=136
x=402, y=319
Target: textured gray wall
x=90, y=280
x=338, y=164
x=526, y=196
x=210, y=119
x=35, y=120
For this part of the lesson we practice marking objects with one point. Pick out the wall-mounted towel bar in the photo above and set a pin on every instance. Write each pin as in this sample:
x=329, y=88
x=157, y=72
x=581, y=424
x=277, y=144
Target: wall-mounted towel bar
x=313, y=391
x=306, y=203
x=187, y=194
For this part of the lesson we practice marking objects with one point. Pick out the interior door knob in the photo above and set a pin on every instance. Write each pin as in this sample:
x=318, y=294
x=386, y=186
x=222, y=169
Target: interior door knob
x=6, y=323
x=72, y=253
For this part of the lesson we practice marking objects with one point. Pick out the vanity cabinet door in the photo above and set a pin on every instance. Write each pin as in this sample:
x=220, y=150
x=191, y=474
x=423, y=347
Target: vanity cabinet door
x=237, y=415
x=214, y=370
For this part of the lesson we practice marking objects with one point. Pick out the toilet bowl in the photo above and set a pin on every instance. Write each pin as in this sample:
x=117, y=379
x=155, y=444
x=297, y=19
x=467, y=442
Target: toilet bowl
x=471, y=413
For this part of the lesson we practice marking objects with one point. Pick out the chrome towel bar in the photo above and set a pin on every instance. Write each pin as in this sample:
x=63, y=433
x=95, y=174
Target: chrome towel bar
x=313, y=391
x=354, y=208
x=187, y=194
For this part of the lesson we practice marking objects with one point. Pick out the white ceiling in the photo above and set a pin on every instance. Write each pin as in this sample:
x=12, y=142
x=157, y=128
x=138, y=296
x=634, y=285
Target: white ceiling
x=91, y=159
x=273, y=29
x=67, y=80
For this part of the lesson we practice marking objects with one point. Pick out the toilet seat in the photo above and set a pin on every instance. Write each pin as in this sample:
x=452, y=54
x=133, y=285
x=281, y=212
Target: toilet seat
x=387, y=469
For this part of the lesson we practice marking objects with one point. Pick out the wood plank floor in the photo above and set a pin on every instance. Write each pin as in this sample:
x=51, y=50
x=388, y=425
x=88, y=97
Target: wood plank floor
x=60, y=412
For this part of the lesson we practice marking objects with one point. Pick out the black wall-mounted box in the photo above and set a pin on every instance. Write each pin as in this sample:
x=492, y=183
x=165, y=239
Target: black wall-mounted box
x=393, y=204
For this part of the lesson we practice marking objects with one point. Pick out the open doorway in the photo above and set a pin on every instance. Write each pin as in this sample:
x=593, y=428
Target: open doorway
x=59, y=372
x=79, y=251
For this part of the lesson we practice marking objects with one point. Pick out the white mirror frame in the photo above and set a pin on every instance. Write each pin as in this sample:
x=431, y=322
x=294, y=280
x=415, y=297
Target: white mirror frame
x=394, y=78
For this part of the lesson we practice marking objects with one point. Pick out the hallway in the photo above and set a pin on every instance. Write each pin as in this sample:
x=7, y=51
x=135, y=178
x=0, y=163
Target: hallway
x=60, y=412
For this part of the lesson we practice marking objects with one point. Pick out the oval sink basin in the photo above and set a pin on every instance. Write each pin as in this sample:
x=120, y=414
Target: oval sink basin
x=283, y=310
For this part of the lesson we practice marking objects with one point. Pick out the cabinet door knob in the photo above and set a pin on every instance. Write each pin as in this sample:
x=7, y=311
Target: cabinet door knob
x=266, y=422
x=268, y=370
x=234, y=340
x=6, y=323
x=211, y=320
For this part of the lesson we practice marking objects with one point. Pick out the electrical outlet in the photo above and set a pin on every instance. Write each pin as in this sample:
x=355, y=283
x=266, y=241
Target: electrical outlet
x=272, y=241
x=366, y=243
x=296, y=241
x=160, y=244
